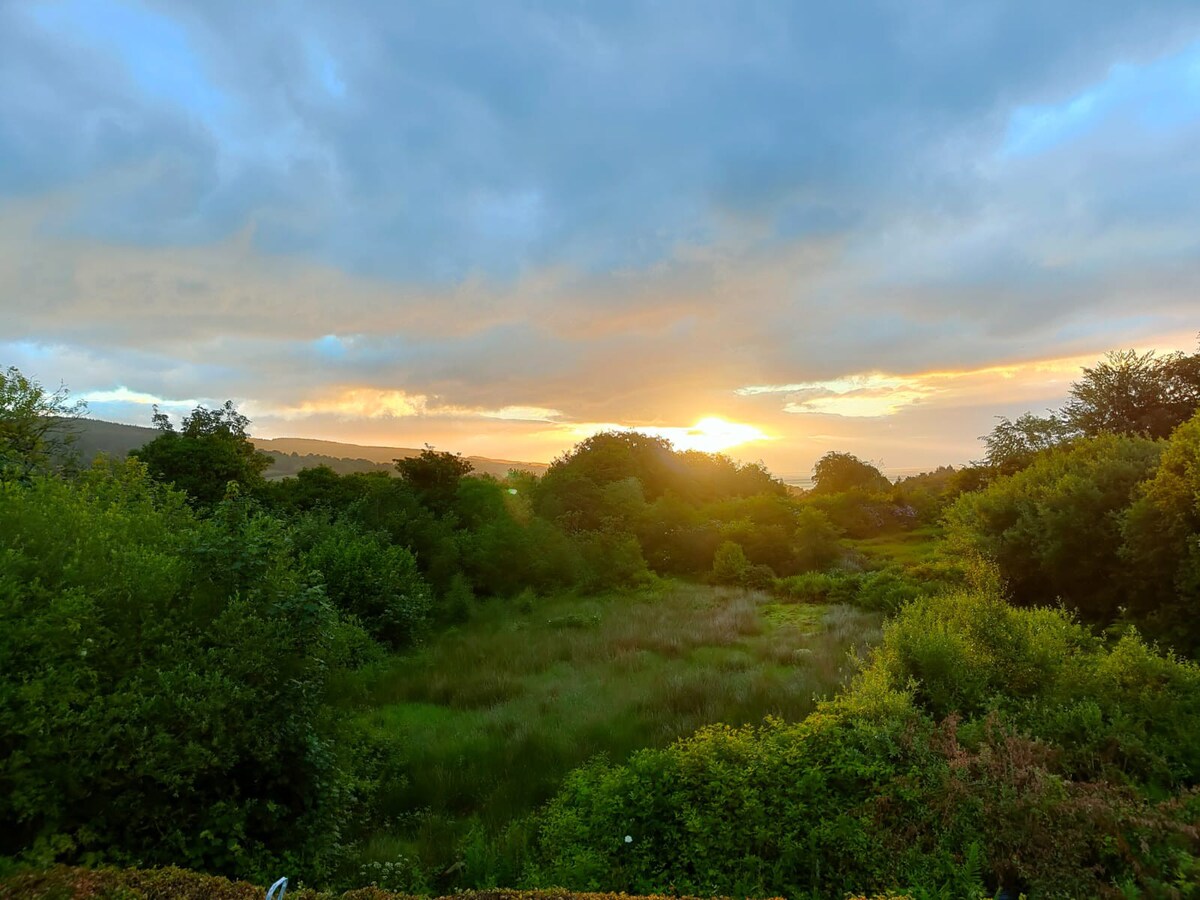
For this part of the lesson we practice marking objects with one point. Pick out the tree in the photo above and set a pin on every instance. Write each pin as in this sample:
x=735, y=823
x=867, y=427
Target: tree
x=35, y=425
x=434, y=476
x=210, y=451
x=729, y=563
x=836, y=472
x=1135, y=393
x=1054, y=528
x=1012, y=445
x=1162, y=544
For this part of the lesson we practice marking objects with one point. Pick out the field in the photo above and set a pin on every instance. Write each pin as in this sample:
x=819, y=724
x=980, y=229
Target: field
x=485, y=721
x=900, y=548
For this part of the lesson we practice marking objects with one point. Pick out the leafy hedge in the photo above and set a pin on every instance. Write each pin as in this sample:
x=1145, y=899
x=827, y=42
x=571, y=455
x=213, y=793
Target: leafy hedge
x=67, y=883
x=163, y=683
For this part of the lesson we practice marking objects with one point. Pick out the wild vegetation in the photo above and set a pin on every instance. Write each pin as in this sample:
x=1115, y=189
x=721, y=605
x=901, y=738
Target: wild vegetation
x=646, y=670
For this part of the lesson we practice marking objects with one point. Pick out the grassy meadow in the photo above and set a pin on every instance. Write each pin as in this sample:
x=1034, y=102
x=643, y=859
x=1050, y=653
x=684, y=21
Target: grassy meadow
x=915, y=547
x=482, y=724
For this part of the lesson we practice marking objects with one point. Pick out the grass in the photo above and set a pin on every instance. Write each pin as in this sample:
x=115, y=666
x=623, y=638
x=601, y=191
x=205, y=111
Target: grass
x=901, y=548
x=484, y=722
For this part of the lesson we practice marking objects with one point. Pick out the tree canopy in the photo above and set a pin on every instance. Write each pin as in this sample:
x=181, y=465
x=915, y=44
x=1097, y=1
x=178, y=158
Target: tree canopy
x=210, y=451
x=35, y=424
x=1135, y=393
x=836, y=472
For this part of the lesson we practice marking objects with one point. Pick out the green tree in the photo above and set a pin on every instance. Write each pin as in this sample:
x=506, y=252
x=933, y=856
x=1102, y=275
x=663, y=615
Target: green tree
x=1013, y=445
x=816, y=539
x=1054, y=528
x=729, y=563
x=434, y=476
x=1161, y=532
x=35, y=424
x=367, y=577
x=210, y=451
x=1136, y=393
x=836, y=472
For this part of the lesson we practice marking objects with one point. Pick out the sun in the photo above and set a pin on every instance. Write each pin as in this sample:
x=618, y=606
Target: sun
x=712, y=434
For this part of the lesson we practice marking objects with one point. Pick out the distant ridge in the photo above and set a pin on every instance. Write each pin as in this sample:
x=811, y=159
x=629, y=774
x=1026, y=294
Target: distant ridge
x=288, y=455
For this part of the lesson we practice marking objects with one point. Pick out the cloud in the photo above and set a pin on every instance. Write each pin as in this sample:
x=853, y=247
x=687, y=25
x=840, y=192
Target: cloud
x=481, y=220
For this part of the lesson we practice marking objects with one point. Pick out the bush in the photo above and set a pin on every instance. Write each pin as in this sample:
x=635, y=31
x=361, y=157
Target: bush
x=1161, y=544
x=180, y=884
x=886, y=590
x=817, y=540
x=161, y=683
x=956, y=763
x=811, y=587
x=368, y=578
x=729, y=563
x=1054, y=529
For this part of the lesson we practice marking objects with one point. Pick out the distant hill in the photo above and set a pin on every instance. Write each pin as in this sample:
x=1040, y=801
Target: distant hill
x=288, y=455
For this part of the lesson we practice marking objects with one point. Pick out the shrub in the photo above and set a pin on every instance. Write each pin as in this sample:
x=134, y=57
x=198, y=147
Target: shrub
x=368, y=578
x=729, y=563
x=810, y=587
x=954, y=765
x=1054, y=529
x=1161, y=543
x=816, y=539
x=161, y=682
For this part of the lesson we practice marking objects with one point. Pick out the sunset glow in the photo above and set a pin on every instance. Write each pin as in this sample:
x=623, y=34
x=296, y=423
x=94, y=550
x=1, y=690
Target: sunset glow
x=517, y=262
x=712, y=434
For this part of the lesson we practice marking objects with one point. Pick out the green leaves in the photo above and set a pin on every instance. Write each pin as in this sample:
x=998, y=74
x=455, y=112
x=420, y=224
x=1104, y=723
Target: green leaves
x=162, y=681
x=984, y=744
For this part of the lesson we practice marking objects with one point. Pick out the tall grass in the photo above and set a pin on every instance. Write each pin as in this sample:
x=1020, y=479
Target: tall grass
x=485, y=721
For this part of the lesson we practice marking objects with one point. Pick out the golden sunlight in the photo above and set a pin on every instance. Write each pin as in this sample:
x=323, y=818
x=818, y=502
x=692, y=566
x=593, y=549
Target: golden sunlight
x=712, y=434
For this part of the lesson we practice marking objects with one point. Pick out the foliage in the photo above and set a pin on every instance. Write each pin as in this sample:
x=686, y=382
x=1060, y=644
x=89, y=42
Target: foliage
x=522, y=694
x=928, y=493
x=884, y=590
x=1161, y=543
x=729, y=563
x=172, y=883
x=1013, y=445
x=367, y=577
x=1054, y=529
x=955, y=763
x=860, y=514
x=608, y=480
x=210, y=451
x=836, y=472
x=434, y=476
x=35, y=425
x=161, y=695
x=1135, y=394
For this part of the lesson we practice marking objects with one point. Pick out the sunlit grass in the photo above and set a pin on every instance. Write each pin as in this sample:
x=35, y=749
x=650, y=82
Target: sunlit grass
x=903, y=548
x=487, y=720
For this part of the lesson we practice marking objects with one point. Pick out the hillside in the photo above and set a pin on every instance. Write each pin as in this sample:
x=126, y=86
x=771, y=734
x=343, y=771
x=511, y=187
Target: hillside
x=288, y=455
x=331, y=453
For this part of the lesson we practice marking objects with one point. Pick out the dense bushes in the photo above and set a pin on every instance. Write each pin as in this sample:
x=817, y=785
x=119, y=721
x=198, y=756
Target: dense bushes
x=367, y=577
x=180, y=884
x=984, y=746
x=1111, y=525
x=1054, y=528
x=1161, y=548
x=885, y=590
x=163, y=680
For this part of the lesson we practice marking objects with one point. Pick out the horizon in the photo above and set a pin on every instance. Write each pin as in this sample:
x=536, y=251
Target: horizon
x=497, y=229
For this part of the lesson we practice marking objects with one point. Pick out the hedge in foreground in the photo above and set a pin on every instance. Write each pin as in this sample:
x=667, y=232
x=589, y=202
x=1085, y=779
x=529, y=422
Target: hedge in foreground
x=67, y=883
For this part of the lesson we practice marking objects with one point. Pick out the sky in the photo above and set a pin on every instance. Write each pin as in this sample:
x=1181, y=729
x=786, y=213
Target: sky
x=769, y=228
